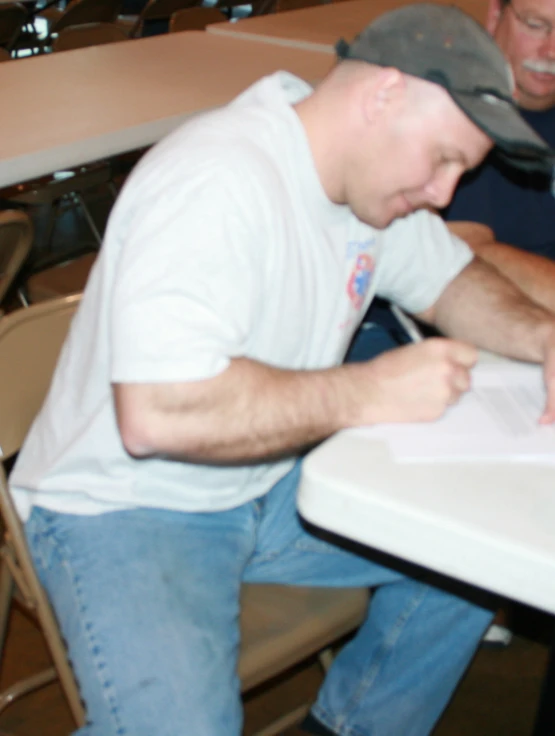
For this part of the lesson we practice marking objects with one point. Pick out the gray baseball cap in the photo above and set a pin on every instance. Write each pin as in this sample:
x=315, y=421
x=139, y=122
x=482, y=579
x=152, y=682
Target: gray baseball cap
x=442, y=44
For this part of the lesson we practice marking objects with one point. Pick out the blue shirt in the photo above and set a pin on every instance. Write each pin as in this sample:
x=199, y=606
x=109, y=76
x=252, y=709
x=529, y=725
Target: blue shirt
x=518, y=206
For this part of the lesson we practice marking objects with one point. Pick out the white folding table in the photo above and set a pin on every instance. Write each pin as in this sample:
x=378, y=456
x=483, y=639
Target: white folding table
x=71, y=108
x=490, y=524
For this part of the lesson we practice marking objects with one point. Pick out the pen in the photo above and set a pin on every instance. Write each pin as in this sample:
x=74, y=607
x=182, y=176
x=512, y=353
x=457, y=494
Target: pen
x=407, y=324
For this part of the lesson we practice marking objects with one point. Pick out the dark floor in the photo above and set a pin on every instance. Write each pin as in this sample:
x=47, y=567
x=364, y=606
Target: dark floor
x=497, y=698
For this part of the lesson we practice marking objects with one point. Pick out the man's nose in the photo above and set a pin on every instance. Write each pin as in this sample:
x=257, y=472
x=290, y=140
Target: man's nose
x=547, y=48
x=441, y=189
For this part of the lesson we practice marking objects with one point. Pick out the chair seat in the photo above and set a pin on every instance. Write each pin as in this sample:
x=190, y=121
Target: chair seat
x=67, y=278
x=283, y=625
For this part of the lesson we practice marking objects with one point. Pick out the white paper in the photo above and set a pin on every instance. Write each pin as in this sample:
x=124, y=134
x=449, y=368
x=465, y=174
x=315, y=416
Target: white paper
x=497, y=419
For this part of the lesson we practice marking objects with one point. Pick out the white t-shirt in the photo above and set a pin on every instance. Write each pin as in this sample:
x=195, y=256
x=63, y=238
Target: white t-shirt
x=221, y=244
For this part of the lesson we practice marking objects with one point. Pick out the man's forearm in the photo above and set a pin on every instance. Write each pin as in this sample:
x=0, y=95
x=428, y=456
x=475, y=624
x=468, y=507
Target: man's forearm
x=254, y=411
x=533, y=274
x=484, y=307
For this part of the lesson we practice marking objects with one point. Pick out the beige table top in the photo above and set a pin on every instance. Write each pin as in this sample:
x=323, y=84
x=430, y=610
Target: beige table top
x=79, y=106
x=319, y=28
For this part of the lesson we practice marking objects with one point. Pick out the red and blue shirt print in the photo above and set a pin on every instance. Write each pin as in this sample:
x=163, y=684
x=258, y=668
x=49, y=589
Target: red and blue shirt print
x=362, y=271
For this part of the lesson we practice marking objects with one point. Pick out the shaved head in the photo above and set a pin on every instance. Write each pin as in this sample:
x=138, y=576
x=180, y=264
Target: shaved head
x=376, y=133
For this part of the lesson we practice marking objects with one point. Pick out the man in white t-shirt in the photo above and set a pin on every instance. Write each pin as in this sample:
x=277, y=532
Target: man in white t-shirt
x=206, y=356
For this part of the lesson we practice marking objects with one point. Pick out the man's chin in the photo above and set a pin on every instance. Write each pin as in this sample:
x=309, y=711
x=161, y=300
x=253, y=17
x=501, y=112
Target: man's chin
x=384, y=219
x=539, y=94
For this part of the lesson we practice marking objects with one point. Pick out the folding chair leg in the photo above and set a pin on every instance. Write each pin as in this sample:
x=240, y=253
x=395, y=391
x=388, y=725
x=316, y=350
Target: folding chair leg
x=6, y=592
x=64, y=672
x=89, y=218
x=29, y=684
x=24, y=301
x=22, y=687
x=325, y=658
x=113, y=189
x=281, y=724
x=51, y=225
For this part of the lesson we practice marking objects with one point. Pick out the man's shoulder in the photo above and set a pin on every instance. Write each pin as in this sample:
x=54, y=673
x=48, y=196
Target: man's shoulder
x=543, y=122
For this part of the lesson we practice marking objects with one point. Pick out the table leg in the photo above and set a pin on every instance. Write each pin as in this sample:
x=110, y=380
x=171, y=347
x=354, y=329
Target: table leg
x=545, y=717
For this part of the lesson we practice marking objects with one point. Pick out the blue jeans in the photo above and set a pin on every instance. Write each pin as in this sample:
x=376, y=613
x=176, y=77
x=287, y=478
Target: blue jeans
x=148, y=603
x=379, y=331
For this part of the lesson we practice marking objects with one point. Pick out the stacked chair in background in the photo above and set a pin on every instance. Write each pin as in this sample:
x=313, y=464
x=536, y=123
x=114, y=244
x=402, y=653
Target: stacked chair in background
x=78, y=13
x=21, y=282
x=88, y=34
x=195, y=19
x=282, y=6
x=93, y=22
x=68, y=271
x=12, y=21
x=154, y=17
x=16, y=238
x=17, y=33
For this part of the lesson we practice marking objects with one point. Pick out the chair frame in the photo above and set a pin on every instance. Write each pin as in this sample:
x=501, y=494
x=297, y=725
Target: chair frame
x=158, y=10
x=17, y=12
x=200, y=17
x=17, y=569
x=68, y=190
x=22, y=247
x=94, y=11
x=87, y=34
x=287, y=624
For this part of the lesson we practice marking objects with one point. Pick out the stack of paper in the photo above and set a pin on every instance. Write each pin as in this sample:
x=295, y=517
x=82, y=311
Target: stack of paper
x=497, y=419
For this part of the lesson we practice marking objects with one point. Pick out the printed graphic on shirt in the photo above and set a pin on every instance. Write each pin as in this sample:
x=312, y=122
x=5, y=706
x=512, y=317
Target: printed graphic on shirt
x=361, y=274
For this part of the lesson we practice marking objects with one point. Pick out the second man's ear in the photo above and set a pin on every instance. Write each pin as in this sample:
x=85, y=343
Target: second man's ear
x=493, y=16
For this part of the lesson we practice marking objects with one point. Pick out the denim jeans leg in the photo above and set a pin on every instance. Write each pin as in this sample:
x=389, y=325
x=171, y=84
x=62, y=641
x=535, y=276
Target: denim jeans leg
x=369, y=341
x=147, y=601
x=399, y=672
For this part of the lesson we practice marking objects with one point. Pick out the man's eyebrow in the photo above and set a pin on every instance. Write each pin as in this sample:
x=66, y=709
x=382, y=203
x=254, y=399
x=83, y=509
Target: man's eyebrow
x=536, y=14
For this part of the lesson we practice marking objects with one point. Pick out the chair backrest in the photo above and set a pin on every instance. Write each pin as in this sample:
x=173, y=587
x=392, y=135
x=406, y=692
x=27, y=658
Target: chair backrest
x=30, y=342
x=88, y=34
x=159, y=10
x=87, y=11
x=282, y=6
x=16, y=238
x=195, y=19
x=12, y=20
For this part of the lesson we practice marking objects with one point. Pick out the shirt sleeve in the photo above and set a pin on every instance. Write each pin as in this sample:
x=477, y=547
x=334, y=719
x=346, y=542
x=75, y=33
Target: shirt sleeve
x=185, y=286
x=419, y=258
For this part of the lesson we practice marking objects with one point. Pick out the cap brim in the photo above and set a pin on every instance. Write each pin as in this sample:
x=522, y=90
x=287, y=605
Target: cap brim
x=501, y=121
